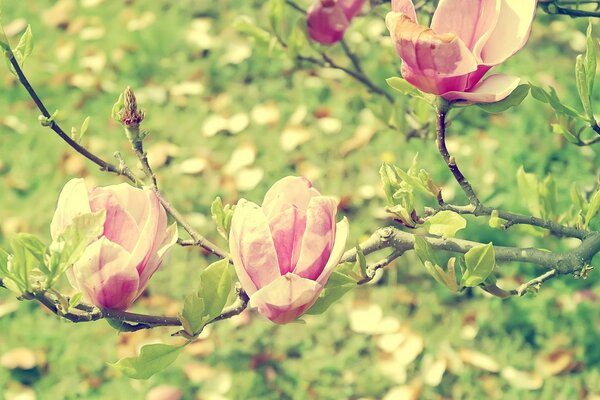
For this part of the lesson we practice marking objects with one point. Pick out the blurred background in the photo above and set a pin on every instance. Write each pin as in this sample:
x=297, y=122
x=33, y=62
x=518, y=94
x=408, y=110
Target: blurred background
x=228, y=116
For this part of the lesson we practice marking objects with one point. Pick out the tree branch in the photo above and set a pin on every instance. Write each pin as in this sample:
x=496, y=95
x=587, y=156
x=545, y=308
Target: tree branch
x=104, y=165
x=475, y=207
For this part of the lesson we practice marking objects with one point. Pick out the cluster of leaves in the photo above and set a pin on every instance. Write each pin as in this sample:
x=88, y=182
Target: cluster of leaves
x=34, y=267
x=571, y=123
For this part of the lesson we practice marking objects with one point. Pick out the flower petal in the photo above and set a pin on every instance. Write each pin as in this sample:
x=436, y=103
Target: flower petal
x=471, y=20
x=286, y=298
x=428, y=53
x=287, y=229
x=119, y=226
x=291, y=190
x=339, y=245
x=251, y=247
x=405, y=7
x=132, y=199
x=158, y=253
x=152, y=229
x=492, y=89
x=511, y=31
x=352, y=7
x=72, y=201
x=318, y=237
x=105, y=275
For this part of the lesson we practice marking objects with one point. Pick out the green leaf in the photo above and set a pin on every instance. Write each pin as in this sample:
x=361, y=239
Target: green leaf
x=193, y=314
x=24, y=47
x=445, y=223
x=590, y=58
x=528, y=188
x=338, y=285
x=390, y=182
x=298, y=39
x=562, y=129
x=28, y=254
x=84, y=128
x=75, y=300
x=221, y=216
x=276, y=11
x=480, y=262
x=495, y=221
x=552, y=99
x=361, y=259
x=402, y=86
x=210, y=299
x=581, y=78
x=425, y=252
x=593, y=208
x=117, y=108
x=514, y=99
x=72, y=242
x=153, y=358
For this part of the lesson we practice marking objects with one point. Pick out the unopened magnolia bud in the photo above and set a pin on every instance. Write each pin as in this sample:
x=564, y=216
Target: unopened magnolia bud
x=131, y=116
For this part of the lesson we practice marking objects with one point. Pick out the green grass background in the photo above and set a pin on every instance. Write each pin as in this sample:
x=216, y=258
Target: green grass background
x=324, y=359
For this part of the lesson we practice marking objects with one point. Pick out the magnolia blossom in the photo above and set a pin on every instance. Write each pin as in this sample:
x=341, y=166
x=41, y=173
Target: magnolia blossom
x=328, y=19
x=285, y=250
x=114, y=269
x=466, y=39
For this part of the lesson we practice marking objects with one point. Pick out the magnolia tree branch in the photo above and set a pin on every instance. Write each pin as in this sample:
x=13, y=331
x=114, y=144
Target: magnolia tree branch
x=475, y=207
x=122, y=169
x=563, y=7
x=104, y=165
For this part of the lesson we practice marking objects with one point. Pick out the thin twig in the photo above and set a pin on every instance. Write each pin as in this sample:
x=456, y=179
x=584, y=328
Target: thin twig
x=475, y=207
x=104, y=165
x=198, y=239
x=384, y=262
x=534, y=283
x=450, y=160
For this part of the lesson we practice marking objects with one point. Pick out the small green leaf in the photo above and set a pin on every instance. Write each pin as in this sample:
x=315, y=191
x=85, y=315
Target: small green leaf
x=24, y=47
x=361, y=259
x=480, y=262
x=28, y=254
x=593, y=208
x=581, y=78
x=528, y=188
x=72, y=242
x=390, y=182
x=445, y=223
x=590, y=58
x=552, y=99
x=338, y=285
x=514, y=99
x=84, y=128
x=563, y=129
x=117, y=108
x=210, y=299
x=193, y=316
x=276, y=11
x=402, y=86
x=495, y=221
x=298, y=39
x=153, y=358
x=75, y=300
x=425, y=252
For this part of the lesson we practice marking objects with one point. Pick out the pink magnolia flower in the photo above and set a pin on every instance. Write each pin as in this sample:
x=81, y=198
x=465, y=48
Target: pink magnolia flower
x=114, y=269
x=466, y=39
x=328, y=19
x=285, y=251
